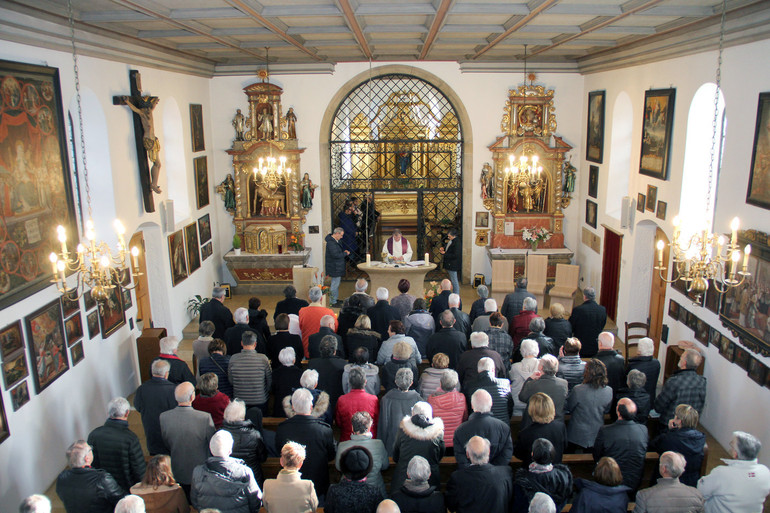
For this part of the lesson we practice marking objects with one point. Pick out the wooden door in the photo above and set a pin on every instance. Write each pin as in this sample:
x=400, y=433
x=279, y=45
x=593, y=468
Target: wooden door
x=142, y=290
x=658, y=291
x=613, y=244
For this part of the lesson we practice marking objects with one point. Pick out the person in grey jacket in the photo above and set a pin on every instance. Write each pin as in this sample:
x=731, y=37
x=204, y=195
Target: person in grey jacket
x=571, y=366
x=514, y=301
x=394, y=406
x=362, y=437
x=225, y=483
x=588, y=402
x=669, y=495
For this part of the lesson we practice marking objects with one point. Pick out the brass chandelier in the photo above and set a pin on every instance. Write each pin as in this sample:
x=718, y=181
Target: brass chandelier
x=706, y=256
x=94, y=263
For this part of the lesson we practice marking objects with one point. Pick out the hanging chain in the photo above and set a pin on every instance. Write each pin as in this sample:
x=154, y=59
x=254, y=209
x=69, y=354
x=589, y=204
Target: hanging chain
x=80, y=107
x=716, y=110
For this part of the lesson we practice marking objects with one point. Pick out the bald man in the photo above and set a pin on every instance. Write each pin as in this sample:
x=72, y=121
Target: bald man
x=626, y=442
x=441, y=302
x=479, y=487
x=388, y=506
x=186, y=432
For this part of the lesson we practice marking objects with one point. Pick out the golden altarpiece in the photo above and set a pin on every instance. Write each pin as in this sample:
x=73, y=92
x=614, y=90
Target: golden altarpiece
x=530, y=181
x=264, y=191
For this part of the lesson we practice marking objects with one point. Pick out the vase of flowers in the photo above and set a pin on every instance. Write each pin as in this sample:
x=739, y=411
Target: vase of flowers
x=534, y=236
x=294, y=243
x=431, y=292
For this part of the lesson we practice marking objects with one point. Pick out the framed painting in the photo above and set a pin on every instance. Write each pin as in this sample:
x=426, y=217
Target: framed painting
x=11, y=340
x=591, y=213
x=4, y=431
x=47, y=345
x=593, y=181
x=74, y=328
x=177, y=257
x=204, y=228
x=201, y=181
x=196, y=127
x=20, y=395
x=595, y=128
x=714, y=337
x=673, y=309
x=88, y=300
x=701, y=331
x=683, y=314
x=759, y=178
x=692, y=321
x=713, y=297
x=482, y=219
x=33, y=149
x=726, y=347
x=652, y=198
x=111, y=316
x=77, y=354
x=741, y=357
x=661, y=212
x=193, y=251
x=658, y=121
x=206, y=251
x=640, y=202
x=128, y=302
x=757, y=371
x=92, y=320
x=15, y=369
x=69, y=305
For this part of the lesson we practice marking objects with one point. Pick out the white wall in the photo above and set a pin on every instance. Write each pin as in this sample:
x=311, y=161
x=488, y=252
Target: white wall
x=76, y=402
x=732, y=397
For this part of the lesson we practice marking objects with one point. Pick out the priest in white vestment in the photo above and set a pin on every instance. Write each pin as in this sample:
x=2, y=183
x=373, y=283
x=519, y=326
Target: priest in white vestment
x=397, y=247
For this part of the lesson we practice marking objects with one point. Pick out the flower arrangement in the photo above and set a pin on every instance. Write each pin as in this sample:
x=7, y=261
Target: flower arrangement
x=431, y=292
x=535, y=235
x=318, y=281
x=294, y=243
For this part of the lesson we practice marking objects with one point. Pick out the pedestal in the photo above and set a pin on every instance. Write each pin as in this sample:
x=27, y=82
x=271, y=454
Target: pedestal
x=264, y=274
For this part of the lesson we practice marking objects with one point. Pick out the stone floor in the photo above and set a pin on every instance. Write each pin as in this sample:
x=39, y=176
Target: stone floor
x=468, y=295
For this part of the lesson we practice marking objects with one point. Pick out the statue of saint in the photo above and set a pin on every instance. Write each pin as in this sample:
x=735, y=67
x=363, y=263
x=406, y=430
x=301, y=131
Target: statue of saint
x=239, y=123
x=569, y=177
x=144, y=110
x=227, y=190
x=291, y=124
x=308, y=191
x=266, y=124
x=487, y=186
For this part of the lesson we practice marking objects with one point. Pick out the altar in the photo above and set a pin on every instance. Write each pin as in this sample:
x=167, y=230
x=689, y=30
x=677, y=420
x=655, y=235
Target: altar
x=388, y=276
x=264, y=274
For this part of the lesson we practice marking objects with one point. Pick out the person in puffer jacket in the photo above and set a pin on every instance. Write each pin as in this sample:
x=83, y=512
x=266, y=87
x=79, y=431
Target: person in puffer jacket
x=225, y=483
x=248, y=444
x=449, y=405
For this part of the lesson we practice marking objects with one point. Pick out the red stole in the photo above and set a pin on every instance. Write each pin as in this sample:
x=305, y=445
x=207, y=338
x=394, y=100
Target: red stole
x=390, y=245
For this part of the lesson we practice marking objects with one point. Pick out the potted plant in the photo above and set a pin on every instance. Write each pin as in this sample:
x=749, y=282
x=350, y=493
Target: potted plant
x=236, y=244
x=194, y=305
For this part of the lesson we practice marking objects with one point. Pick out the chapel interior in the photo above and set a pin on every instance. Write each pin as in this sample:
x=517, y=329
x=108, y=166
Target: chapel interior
x=270, y=116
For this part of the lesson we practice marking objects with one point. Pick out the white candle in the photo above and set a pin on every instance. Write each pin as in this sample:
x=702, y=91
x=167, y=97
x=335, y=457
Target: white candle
x=746, y=253
x=427, y=258
x=368, y=259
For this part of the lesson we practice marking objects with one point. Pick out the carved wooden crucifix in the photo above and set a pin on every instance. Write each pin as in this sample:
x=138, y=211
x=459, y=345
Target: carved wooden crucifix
x=147, y=145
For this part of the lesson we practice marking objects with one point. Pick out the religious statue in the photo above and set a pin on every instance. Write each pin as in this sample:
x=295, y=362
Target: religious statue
x=239, y=123
x=487, y=185
x=143, y=108
x=291, y=123
x=308, y=191
x=266, y=123
x=569, y=177
x=227, y=190
x=271, y=200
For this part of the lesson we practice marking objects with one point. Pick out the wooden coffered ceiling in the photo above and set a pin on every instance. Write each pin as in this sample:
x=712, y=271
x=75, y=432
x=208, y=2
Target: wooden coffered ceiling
x=220, y=37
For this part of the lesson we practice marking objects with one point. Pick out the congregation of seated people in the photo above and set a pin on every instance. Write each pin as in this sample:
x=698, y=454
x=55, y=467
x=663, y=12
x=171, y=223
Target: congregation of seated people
x=516, y=414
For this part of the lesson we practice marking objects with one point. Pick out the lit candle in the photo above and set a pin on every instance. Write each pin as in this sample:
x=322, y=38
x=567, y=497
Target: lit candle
x=734, y=228
x=736, y=256
x=52, y=257
x=427, y=258
x=660, y=253
x=746, y=253
x=720, y=243
x=368, y=259
x=135, y=256
x=60, y=267
x=63, y=239
x=677, y=225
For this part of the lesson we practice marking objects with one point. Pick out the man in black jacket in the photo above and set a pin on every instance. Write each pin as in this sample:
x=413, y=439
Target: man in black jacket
x=482, y=423
x=283, y=338
x=334, y=263
x=116, y=448
x=626, y=442
x=85, y=489
x=178, y=372
x=645, y=362
x=315, y=435
x=480, y=487
x=330, y=368
x=467, y=365
x=514, y=302
x=587, y=322
x=452, y=257
x=463, y=323
x=152, y=398
x=290, y=305
x=215, y=311
x=544, y=380
x=448, y=341
x=382, y=313
x=234, y=335
x=441, y=302
x=499, y=389
x=327, y=328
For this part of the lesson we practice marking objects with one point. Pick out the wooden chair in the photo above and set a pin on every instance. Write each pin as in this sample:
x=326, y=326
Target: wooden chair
x=503, y=281
x=632, y=339
x=565, y=286
x=537, y=277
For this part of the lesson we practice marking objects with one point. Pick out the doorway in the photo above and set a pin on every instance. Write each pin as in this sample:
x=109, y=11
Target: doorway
x=144, y=311
x=613, y=243
x=658, y=293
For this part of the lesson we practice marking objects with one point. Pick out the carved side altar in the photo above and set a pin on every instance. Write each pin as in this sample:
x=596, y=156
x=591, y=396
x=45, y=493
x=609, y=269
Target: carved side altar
x=264, y=193
x=530, y=182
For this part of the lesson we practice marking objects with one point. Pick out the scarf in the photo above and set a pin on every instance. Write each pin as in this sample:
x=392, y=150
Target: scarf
x=537, y=468
x=416, y=486
x=390, y=245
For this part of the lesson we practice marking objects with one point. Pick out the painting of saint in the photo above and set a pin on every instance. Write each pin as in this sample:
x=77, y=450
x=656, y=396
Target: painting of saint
x=759, y=181
x=177, y=258
x=48, y=350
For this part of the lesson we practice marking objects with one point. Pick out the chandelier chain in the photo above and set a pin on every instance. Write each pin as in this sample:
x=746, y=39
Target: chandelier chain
x=715, y=119
x=80, y=107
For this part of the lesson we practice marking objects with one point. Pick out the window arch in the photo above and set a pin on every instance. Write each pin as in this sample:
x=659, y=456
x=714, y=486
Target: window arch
x=174, y=161
x=620, y=154
x=697, y=157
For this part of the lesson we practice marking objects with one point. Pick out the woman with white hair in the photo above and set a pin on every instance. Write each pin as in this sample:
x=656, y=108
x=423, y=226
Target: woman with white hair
x=477, y=308
x=522, y=370
x=248, y=444
x=419, y=434
x=224, y=483
x=286, y=378
x=321, y=402
x=417, y=494
x=645, y=362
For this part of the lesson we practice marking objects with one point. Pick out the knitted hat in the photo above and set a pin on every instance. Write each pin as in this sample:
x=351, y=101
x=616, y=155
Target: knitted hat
x=356, y=463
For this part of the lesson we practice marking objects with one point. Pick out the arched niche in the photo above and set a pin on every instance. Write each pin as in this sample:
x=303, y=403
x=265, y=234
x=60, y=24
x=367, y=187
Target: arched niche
x=175, y=161
x=620, y=154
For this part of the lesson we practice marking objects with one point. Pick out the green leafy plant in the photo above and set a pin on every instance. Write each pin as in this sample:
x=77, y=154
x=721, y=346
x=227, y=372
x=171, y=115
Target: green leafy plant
x=195, y=303
x=236, y=242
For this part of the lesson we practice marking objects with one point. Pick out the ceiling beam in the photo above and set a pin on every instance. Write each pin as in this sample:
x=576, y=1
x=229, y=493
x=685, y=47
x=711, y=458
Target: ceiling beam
x=605, y=23
x=438, y=21
x=350, y=17
x=162, y=16
x=248, y=9
x=516, y=26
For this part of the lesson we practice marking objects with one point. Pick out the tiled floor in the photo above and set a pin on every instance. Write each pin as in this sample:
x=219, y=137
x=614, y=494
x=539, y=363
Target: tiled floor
x=468, y=295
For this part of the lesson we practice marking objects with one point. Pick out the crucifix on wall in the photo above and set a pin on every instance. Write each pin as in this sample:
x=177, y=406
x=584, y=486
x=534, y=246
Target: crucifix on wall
x=147, y=145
